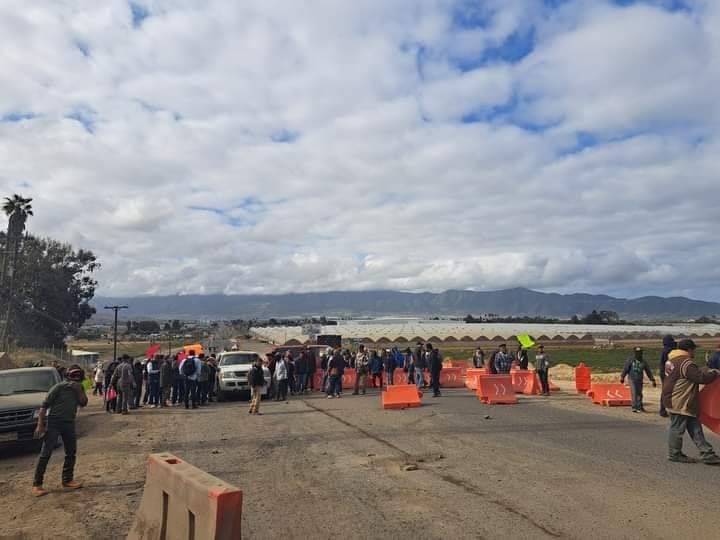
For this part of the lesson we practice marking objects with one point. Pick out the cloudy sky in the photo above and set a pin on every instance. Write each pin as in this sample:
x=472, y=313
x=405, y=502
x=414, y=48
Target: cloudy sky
x=271, y=146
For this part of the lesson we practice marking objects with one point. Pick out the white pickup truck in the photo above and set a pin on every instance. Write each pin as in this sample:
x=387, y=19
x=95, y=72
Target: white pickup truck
x=232, y=376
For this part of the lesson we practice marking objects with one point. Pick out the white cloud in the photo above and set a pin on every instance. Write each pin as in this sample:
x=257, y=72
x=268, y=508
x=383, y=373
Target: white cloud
x=177, y=182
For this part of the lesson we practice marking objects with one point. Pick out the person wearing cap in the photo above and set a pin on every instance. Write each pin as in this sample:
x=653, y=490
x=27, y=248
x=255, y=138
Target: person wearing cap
x=669, y=344
x=635, y=369
x=503, y=361
x=680, y=396
x=542, y=366
x=62, y=401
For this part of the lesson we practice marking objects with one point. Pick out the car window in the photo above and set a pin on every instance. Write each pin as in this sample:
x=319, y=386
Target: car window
x=237, y=359
x=26, y=382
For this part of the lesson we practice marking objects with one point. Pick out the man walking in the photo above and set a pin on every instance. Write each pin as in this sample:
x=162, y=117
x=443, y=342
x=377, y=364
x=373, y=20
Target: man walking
x=362, y=366
x=62, y=400
x=435, y=365
x=681, y=398
x=256, y=380
x=190, y=368
x=124, y=381
x=420, y=361
x=166, y=382
x=503, y=361
x=301, y=368
x=542, y=366
x=636, y=367
x=669, y=344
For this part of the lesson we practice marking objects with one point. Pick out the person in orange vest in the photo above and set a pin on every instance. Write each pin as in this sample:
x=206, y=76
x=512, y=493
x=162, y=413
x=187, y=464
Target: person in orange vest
x=681, y=397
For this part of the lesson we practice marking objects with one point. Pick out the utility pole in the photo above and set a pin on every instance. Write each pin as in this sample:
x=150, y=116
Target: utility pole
x=115, y=309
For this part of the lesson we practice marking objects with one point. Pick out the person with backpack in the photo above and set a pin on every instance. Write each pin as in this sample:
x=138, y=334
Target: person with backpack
x=681, y=397
x=56, y=419
x=256, y=380
x=635, y=368
x=434, y=360
x=362, y=366
x=190, y=369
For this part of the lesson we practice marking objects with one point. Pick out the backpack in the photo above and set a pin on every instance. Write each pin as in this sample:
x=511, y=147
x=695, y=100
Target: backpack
x=189, y=367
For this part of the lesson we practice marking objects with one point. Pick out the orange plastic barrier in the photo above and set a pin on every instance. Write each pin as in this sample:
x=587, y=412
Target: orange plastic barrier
x=472, y=375
x=525, y=382
x=181, y=501
x=582, y=378
x=197, y=347
x=400, y=396
x=553, y=387
x=610, y=394
x=710, y=406
x=455, y=363
x=452, y=377
x=496, y=389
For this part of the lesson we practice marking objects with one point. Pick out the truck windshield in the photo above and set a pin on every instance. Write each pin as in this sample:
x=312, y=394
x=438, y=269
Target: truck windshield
x=31, y=381
x=236, y=359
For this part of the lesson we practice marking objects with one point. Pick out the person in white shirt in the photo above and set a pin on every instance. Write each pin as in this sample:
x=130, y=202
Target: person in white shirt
x=99, y=379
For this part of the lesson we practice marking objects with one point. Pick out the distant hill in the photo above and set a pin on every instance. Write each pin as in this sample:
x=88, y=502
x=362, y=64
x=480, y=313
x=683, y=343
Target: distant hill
x=516, y=302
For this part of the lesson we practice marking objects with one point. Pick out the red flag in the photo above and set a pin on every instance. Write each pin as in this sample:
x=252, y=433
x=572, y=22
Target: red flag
x=152, y=350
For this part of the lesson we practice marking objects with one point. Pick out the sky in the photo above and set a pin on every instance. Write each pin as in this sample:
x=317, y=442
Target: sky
x=266, y=146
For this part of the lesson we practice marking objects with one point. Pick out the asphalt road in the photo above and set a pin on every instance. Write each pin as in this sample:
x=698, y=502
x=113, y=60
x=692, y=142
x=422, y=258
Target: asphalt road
x=555, y=467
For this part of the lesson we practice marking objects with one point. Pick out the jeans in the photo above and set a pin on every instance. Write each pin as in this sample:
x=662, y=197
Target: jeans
x=678, y=425
x=65, y=430
x=154, y=389
x=544, y=383
x=302, y=382
x=435, y=382
x=419, y=379
x=202, y=392
x=191, y=393
x=390, y=377
x=282, y=390
x=98, y=389
x=178, y=390
x=360, y=382
x=377, y=380
x=334, y=385
x=636, y=392
x=125, y=398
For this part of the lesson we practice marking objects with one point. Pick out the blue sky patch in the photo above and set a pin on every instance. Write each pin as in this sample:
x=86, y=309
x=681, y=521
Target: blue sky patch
x=17, y=116
x=86, y=116
x=514, y=48
x=83, y=47
x=139, y=14
x=284, y=136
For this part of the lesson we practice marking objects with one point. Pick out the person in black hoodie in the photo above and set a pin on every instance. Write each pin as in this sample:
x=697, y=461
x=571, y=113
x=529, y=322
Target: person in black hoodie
x=256, y=379
x=669, y=344
x=434, y=360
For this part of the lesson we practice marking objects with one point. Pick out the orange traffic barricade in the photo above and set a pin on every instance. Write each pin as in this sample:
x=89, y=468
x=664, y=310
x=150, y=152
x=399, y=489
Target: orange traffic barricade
x=472, y=375
x=401, y=396
x=525, y=382
x=710, y=406
x=582, y=378
x=496, y=389
x=610, y=394
x=451, y=377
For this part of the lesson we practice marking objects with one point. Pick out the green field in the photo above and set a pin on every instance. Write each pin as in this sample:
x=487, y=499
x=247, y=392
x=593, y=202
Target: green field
x=601, y=360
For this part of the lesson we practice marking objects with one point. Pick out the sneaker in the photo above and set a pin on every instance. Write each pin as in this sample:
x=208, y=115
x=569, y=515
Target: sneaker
x=711, y=459
x=329, y=397
x=682, y=458
x=338, y=396
x=38, y=491
x=72, y=484
x=664, y=414
x=635, y=410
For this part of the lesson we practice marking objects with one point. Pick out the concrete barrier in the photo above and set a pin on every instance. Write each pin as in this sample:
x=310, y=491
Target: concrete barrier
x=182, y=502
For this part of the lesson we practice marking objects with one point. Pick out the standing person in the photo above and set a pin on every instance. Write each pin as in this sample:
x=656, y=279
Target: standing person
x=152, y=367
x=291, y=379
x=98, y=379
x=124, y=381
x=312, y=368
x=109, y=372
x=478, y=359
x=714, y=360
x=522, y=358
x=139, y=374
x=62, y=400
x=190, y=369
x=281, y=375
x=212, y=377
x=669, y=344
x=542, y=366
x=178, y=390
x=362, y=366
x=271, y=363
x=324, y=359
x=376, y=369
x=503, y=361
x=680, y=395
x=491, y=363
x=636, y=367
x=301, y=368
x=146, y=382
x=420, y=361
x=434, y=360
x=166, y=380
x=340, y=364
x=203, y=378
x=389, y=367
x=256, y=380
x=334, y=377
x=409, y=366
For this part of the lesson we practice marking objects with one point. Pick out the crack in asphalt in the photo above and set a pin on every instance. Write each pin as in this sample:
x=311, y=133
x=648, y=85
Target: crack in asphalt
x=466, y=486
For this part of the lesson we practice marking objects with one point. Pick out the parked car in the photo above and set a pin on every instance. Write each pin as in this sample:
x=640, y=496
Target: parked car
x=232, y=376
x=22, y=392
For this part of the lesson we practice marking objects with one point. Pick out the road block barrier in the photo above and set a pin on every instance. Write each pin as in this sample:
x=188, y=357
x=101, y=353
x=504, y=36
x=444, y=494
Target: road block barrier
x=525, y=382
x=451, y=377
x=181, y=501
x=583, y=376
x=610, y=394
x=496, y=389
x=472, y=375
x=400, y=396
x=710, y=406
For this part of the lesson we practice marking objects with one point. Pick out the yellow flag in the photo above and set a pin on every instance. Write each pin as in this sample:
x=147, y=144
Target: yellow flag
x=526, y=341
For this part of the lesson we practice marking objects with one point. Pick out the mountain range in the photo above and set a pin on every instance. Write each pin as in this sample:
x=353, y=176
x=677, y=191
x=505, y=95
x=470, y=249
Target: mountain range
x=516, y=302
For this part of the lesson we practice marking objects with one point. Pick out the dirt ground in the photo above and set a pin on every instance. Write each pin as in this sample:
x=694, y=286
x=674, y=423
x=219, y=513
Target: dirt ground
x=555, y=467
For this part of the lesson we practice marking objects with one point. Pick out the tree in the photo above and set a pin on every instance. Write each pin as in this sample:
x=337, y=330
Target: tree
x=54, y=284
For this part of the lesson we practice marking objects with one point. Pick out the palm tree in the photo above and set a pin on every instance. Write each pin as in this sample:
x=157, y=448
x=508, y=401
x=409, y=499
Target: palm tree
x=18, y=209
